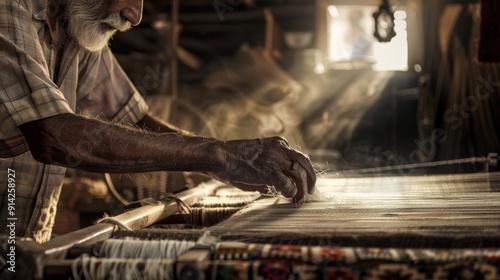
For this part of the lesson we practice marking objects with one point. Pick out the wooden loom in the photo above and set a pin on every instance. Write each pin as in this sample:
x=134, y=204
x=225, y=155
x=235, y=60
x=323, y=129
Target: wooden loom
x=421, y=216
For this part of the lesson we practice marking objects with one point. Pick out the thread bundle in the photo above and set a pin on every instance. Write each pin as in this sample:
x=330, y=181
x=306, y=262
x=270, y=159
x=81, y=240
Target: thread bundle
x=91, y=268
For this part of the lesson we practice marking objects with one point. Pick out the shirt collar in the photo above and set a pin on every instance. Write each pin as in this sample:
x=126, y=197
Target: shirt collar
x=39, y=9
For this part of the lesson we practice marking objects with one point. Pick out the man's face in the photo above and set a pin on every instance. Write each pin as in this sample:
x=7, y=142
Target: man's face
x=92, y=22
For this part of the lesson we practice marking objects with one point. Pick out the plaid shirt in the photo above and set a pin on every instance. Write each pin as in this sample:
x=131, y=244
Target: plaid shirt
x=90, y=83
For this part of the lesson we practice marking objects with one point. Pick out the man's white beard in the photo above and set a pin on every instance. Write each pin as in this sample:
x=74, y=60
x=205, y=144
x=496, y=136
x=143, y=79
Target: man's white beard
x=91, y=25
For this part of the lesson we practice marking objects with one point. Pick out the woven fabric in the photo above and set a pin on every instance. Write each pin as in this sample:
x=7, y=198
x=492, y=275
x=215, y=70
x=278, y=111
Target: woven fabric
x=437, y=206
x=412, y=227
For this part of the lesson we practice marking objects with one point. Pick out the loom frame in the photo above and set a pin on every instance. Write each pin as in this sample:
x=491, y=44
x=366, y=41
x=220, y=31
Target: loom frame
x=52, y=253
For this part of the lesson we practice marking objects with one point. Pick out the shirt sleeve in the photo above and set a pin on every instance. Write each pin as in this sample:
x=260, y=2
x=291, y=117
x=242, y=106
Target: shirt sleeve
x=27, y=92
x=105, y=90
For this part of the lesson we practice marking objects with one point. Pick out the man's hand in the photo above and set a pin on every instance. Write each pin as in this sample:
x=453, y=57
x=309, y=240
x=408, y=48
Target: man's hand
x=252, y=165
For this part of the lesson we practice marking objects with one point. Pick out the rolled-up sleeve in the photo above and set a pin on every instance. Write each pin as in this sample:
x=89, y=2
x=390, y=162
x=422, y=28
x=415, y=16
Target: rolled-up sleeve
x=27, y=92
x=105, y=90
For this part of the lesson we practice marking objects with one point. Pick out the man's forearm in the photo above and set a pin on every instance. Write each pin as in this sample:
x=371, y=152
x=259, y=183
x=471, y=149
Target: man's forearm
x=93, y=145
x=152, y=123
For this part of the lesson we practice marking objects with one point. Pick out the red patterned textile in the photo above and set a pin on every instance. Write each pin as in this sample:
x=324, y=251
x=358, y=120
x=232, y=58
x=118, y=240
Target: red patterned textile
x=264, y=261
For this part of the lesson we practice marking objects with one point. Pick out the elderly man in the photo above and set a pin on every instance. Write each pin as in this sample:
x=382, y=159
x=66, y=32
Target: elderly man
x=57, y=72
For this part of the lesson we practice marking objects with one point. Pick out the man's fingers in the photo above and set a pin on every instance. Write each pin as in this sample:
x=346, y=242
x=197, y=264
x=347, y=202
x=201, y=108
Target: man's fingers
x=284, y=184
x=307, y=173
x=311, y=177
x=300, y=171
x=299, y=176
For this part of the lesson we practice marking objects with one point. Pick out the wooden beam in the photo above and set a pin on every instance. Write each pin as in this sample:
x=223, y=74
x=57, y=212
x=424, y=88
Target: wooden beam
x=135, y=219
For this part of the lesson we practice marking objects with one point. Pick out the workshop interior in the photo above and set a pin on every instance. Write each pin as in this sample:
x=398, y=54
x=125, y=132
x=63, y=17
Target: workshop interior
x=396, y=102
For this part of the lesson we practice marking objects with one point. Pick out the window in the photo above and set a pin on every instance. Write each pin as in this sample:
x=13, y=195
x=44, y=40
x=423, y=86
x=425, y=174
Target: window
x=351, y=42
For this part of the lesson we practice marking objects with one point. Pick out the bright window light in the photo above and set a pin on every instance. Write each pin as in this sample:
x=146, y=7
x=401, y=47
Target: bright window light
x=351, y=40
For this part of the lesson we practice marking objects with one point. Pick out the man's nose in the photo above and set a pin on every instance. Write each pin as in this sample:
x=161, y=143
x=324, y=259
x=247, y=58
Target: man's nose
x=130, y=9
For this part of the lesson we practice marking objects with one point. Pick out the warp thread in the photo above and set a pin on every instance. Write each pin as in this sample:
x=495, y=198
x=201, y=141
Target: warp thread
x=271, y=191
x=220, y=203
x=229, y=191
x=90, y=268
x=211, y=216
x=151, y=184
x=319, y=196
x=228, y=198
x=144, y=249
